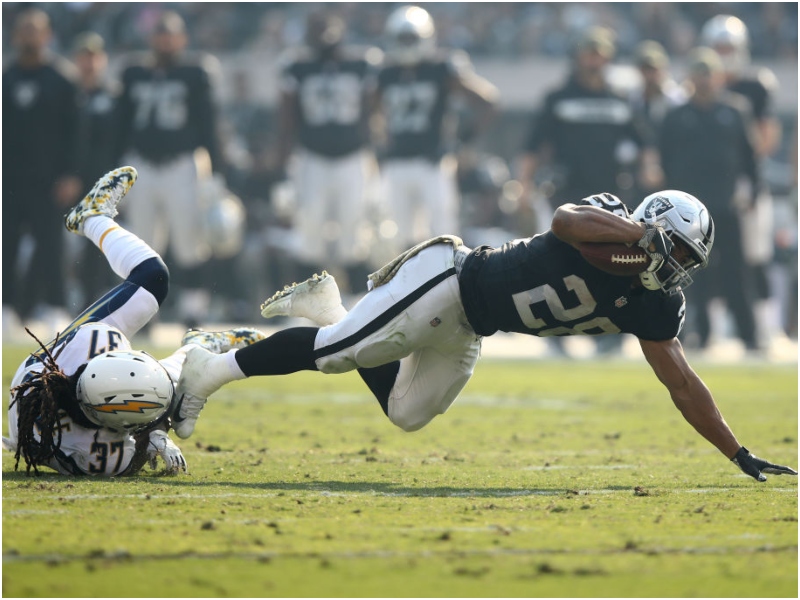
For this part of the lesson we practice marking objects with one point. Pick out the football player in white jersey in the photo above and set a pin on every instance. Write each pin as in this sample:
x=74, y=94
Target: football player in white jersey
x=87, y=403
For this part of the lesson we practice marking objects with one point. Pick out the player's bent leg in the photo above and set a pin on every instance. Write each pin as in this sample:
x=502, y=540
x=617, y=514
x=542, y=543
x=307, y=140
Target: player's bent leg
x=395, y=319
x=102, y=199
x=132, y=304
x=429, y=381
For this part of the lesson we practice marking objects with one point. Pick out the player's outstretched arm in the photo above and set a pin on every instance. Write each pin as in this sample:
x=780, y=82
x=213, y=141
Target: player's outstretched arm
x=694, y=400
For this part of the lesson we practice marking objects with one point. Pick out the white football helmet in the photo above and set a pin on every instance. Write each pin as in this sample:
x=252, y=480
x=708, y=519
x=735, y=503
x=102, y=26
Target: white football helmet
x=225, y=218
x=686, y=220
x=124, y=390
x=411, y=36
x=728, y=36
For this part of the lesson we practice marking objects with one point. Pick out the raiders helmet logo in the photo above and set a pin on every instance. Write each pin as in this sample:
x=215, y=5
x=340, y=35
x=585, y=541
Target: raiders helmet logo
x=657, y=207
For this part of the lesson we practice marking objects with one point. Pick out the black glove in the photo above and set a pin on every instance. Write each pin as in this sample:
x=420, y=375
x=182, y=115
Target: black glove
x=655, y=236
x=755, y=467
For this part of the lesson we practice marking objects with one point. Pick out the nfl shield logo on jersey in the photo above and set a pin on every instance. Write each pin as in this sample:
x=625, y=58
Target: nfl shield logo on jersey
x=620, y=302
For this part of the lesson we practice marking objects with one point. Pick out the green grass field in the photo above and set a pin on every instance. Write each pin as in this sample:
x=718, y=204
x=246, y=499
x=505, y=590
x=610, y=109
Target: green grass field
x=544, y=479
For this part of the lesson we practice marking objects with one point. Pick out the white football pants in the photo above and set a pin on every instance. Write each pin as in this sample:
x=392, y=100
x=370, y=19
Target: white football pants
x=417, y=318
x=331, y=207
x=165, y=209
x=421, y=198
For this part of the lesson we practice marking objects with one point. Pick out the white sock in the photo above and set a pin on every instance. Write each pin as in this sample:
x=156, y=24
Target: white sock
x=234, y=370
x=123, y=250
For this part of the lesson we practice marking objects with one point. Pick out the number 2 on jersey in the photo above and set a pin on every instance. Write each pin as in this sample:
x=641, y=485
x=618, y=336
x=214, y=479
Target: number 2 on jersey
x=525, y=301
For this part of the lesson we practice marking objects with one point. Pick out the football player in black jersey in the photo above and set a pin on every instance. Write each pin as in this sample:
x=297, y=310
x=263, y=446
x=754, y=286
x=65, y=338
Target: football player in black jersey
x=167, y=121
x=97, y=97
x=40, y=123
x=728, y=35
x=415, y=337
x=414, y=91
x=706, y=147
x=323, y=119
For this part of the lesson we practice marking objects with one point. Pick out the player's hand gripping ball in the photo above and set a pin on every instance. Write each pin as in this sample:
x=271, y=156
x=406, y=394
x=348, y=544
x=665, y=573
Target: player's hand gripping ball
x=615, y=258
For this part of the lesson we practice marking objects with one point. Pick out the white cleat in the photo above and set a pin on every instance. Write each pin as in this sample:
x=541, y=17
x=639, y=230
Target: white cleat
x=102, y=199
x=317, y=299
x=195, y=385
x=222, y=341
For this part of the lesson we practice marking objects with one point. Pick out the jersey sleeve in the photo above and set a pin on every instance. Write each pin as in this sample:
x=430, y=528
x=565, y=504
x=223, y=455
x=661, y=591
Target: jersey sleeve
x=542, y=128
x=607, y=202
x=664, y=319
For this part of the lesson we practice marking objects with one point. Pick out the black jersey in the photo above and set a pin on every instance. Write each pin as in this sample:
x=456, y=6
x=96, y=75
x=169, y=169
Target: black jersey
x=96, y=132
x=543, y=286
x=40, y=118
x=330, y=96
x=759, y=89
x=594, y=136
x=165, y=112
x=414, y=100
x=705, y=148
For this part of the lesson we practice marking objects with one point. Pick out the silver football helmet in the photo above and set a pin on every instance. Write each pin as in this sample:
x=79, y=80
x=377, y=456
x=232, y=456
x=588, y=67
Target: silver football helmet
x=124, y=390
x=411, y=36
x=225, y=218
x=688, y=223
x=728, y=36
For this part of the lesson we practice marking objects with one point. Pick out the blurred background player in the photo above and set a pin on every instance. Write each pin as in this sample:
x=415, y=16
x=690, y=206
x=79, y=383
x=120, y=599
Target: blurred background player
x=651, y=102
x=168, y=128
x=97, y=96
x=586, y=134
x=40, y=124
x=728, y=35
x=706, y=146
x=322, y=116
x=415, y=89
x=586, y=137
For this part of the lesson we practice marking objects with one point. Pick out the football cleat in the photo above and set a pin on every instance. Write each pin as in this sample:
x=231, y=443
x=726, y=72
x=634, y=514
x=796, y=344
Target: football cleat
x=317, y=299
x=102, y=199
x=222, y=341
x=195, y=385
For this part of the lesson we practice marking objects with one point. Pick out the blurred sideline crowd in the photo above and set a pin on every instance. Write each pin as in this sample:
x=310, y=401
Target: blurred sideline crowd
x=384, y=135
x=511, y=29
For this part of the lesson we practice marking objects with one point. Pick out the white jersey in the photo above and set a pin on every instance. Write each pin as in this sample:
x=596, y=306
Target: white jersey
x=86, y=450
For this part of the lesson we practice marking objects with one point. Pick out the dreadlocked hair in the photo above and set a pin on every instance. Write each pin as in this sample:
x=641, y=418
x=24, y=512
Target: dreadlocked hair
x=39, y=399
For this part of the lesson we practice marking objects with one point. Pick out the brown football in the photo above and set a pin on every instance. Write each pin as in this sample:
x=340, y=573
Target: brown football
x=615, y=258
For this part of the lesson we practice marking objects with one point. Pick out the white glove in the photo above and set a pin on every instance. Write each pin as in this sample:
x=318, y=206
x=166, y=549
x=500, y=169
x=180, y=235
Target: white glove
x=161, y=445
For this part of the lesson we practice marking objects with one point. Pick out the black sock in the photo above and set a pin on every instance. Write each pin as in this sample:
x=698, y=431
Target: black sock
x=286, y=351
x=381, y=381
